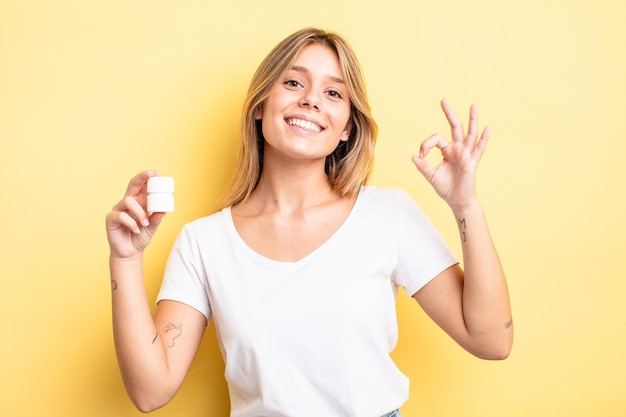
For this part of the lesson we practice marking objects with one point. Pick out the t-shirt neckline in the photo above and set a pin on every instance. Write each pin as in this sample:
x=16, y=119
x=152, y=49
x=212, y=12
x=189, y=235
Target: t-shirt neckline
x=232, y=231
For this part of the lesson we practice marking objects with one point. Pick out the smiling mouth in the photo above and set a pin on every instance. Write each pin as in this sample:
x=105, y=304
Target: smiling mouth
x=305, y=124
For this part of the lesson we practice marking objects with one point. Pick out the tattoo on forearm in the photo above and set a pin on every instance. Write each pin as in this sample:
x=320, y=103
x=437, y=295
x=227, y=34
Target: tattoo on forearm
x=113, y=284
x=155, y=337
x=508, y=324
x=172, y=332
x=463, y=228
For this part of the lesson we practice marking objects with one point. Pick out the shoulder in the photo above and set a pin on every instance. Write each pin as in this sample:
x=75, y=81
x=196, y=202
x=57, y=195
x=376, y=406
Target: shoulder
x=209, y=220
x=383, y=206
x=207, y=226
x=382, y=196
x=393, y=204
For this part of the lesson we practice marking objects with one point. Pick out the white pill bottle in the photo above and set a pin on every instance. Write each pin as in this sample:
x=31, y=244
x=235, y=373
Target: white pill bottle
x=160, y=194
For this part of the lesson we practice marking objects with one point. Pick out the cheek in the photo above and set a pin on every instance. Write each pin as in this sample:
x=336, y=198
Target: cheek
x=345, y=119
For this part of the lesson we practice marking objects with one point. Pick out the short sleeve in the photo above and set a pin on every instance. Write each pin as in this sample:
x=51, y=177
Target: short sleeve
x=185, y=277
x=422, y=252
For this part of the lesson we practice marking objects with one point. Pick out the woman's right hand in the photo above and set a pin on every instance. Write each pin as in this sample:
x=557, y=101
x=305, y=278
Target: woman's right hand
x=130, y=227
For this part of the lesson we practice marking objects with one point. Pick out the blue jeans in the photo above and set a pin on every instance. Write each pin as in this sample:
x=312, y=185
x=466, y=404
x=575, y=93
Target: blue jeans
x=394, y=413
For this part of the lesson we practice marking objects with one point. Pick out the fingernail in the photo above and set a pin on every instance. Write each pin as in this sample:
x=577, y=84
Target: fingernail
x=145, y=223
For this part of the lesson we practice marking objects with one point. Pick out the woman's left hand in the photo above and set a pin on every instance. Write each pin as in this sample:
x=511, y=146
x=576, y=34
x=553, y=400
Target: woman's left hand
x=454, y=178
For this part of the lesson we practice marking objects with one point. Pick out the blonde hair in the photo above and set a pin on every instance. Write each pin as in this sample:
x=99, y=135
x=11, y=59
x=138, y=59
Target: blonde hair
x=349, y=165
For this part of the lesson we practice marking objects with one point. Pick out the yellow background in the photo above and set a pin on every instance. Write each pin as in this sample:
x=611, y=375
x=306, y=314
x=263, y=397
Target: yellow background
x=92, y=92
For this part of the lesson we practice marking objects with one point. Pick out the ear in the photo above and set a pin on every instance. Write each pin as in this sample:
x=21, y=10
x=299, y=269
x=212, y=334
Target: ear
x=258, y=112
x=345, y=135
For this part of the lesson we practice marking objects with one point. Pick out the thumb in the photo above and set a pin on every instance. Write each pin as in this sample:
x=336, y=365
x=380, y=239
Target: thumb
x=155, y=220
x=423, y=166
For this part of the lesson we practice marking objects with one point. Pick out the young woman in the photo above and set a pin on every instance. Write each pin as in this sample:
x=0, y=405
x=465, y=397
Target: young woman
x=300, y=266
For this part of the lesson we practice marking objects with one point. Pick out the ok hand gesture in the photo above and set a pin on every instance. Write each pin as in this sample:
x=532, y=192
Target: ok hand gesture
x=454, y=179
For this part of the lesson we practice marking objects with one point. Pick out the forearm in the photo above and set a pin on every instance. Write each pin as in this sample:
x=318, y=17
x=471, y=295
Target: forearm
x=140, y=352
x=486, y=305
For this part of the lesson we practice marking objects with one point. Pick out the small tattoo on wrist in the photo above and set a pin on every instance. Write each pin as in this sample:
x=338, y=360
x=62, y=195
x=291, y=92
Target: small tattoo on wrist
x=155, y=337
x=463, y=227
x=508, y=324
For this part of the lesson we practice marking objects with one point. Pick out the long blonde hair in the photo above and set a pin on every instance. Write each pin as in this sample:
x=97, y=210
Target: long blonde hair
x=349, y=165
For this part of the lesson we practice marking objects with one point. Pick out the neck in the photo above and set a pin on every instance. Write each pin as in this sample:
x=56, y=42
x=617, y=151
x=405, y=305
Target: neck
x=294, y=187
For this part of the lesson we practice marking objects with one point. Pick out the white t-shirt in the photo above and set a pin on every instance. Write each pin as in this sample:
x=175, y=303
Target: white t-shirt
x=312, y=337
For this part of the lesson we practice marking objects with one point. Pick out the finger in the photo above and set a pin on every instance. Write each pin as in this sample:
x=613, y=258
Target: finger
x=456, y=127
x=155, y=221
x=128, y=204
x=138, y=182
x=122, y=218
x=433, y=141
x=427, y=170
x=482, y=144
x=472, y=129
x=136, y=210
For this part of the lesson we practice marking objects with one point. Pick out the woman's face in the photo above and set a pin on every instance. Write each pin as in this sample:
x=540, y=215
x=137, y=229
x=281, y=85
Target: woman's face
x=307, y=111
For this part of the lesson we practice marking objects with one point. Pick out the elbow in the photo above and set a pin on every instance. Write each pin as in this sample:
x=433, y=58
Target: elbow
x=146, y=405
x=499, y=354
x=496, y=351
x=149, y=393
x=492, y=348
x=148, y=401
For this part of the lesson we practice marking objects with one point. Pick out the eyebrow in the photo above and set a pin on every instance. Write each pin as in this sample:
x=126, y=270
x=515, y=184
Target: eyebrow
x=299, y=68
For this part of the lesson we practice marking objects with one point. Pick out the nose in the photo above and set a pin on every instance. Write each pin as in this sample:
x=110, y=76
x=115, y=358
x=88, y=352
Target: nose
x=310, y=99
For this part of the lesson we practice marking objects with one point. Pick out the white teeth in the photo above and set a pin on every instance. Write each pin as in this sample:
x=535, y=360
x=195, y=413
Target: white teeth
x=304, y=124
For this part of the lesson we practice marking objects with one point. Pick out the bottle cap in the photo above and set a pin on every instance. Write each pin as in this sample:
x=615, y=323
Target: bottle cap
x=161, y=185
